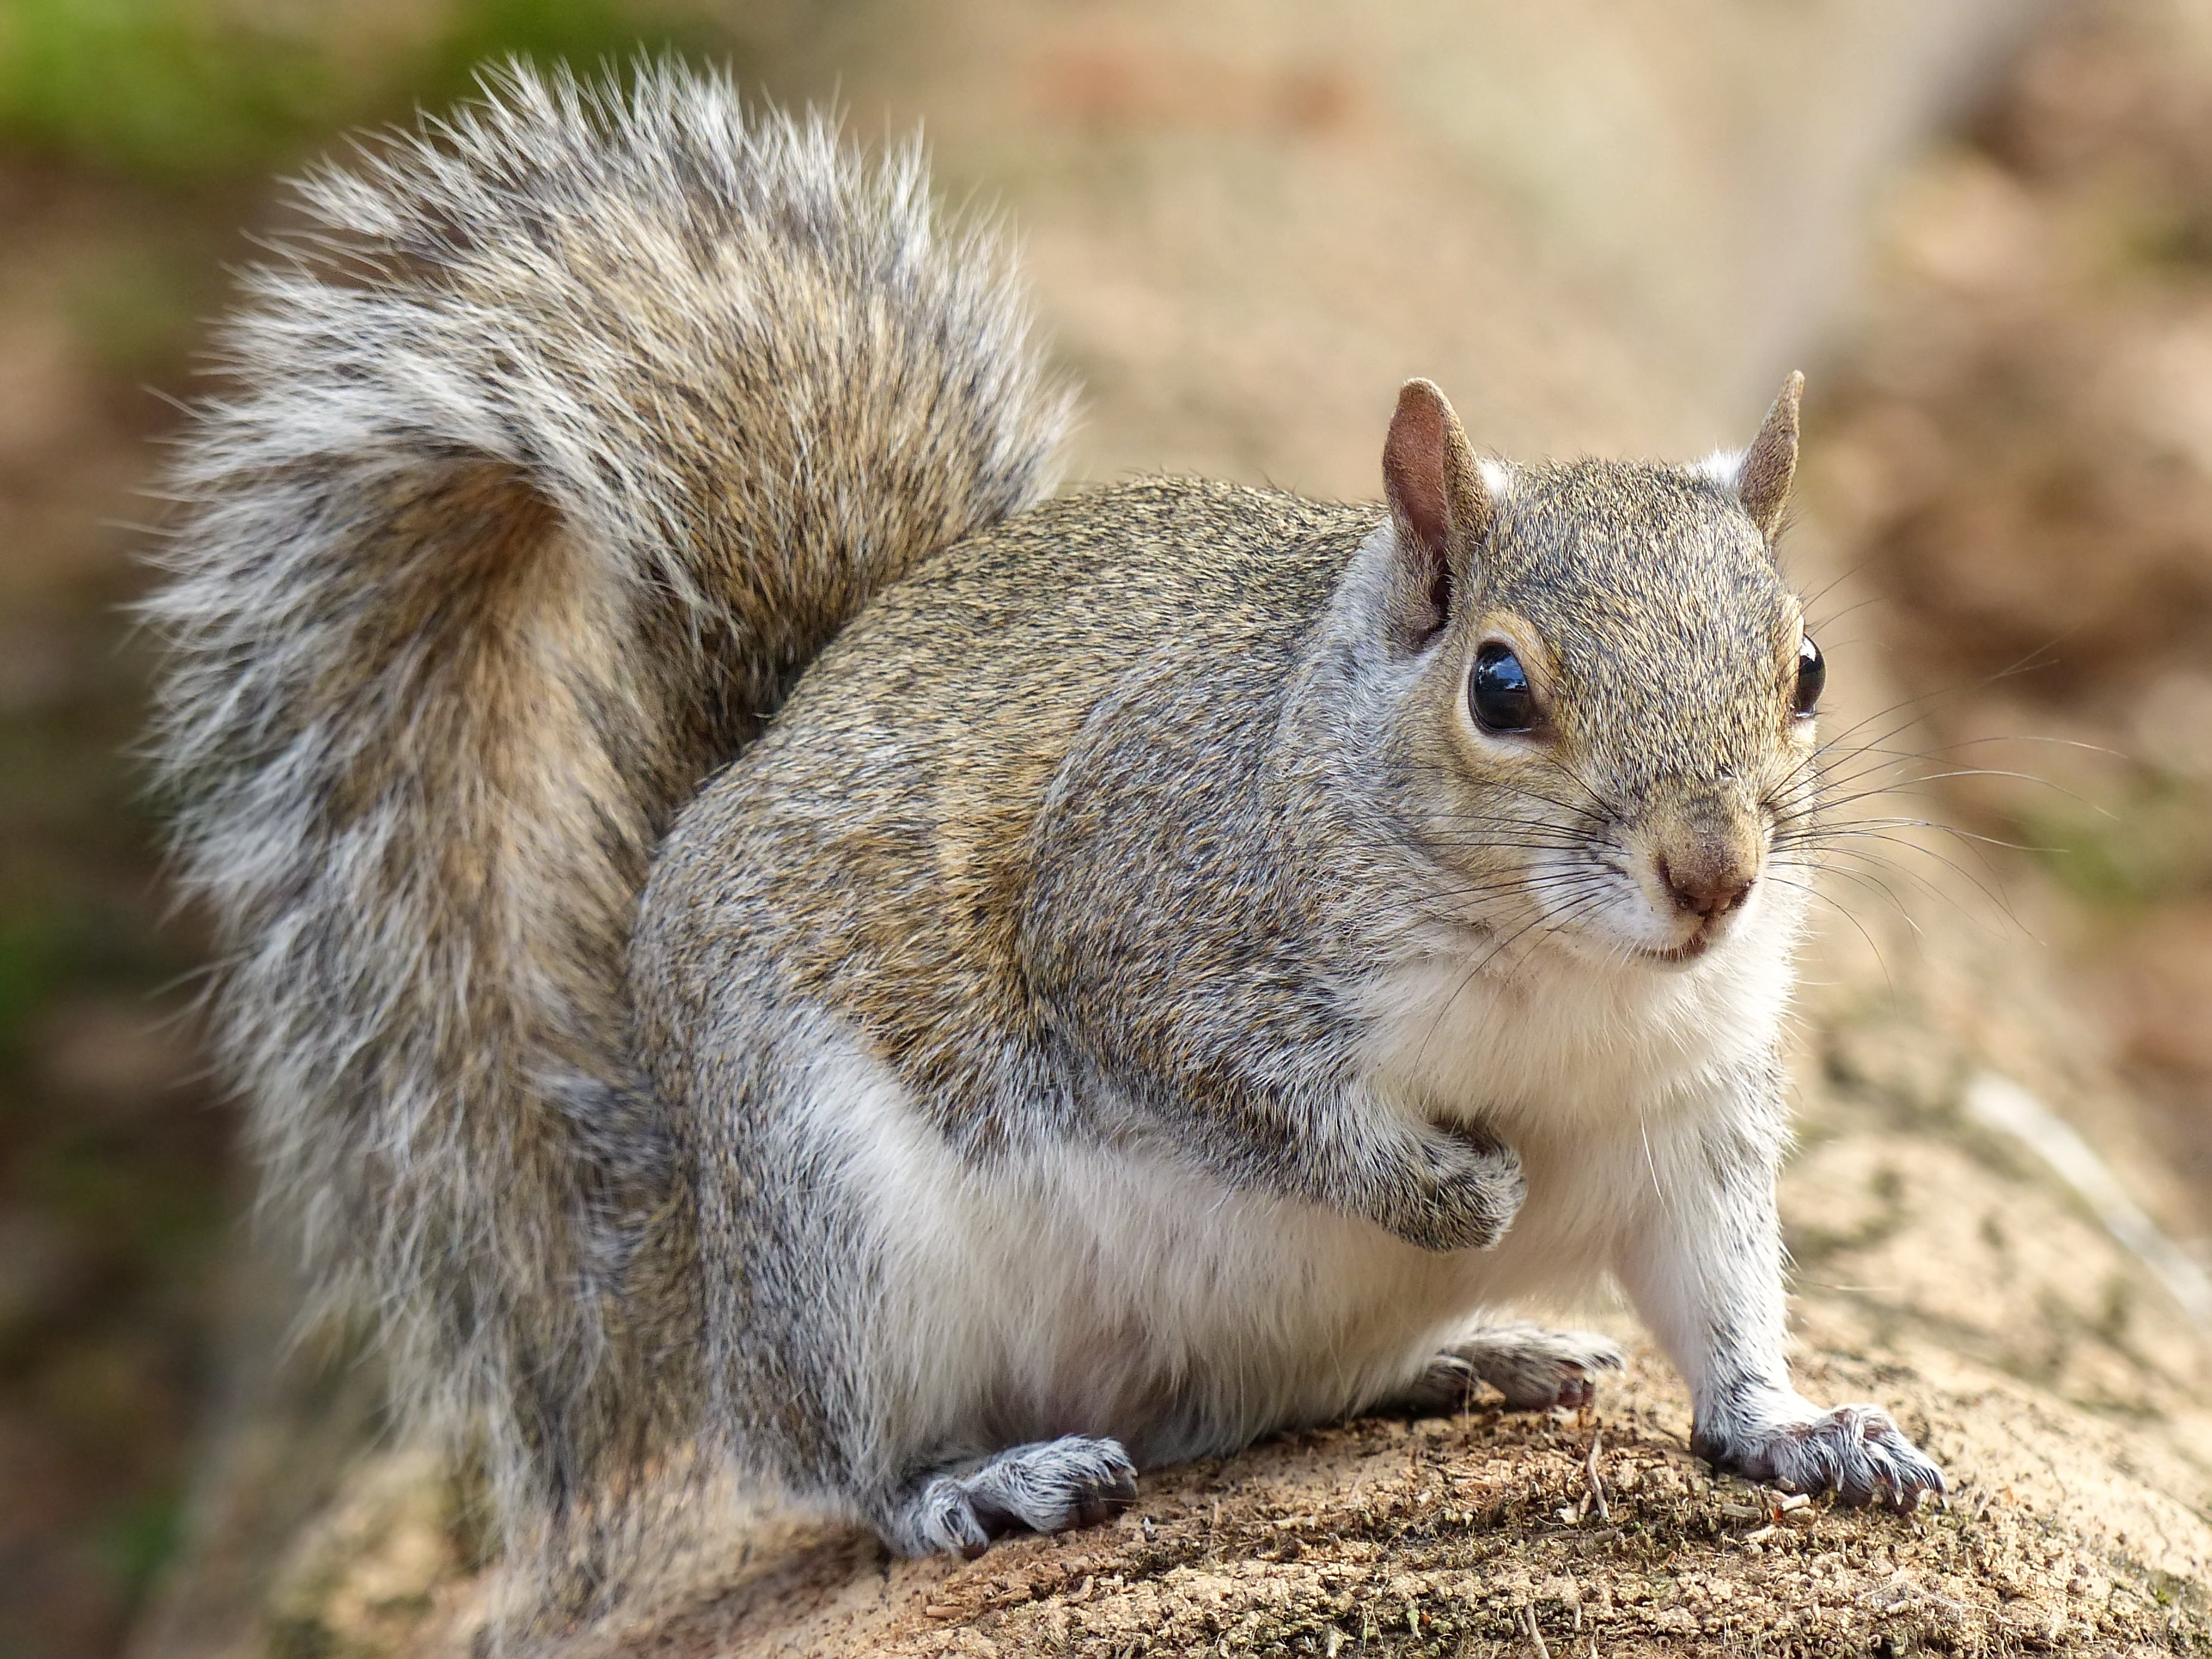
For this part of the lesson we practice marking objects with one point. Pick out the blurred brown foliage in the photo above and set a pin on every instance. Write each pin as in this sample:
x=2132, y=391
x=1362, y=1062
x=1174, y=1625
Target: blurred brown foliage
x=2019, y=456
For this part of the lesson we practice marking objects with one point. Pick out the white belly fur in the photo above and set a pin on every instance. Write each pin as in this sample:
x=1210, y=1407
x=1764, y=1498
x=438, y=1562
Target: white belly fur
x=1101, y=1292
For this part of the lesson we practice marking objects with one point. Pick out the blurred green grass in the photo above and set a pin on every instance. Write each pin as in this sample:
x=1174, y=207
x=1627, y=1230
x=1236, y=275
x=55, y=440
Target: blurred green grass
x=2151, y=847
x=178, y=89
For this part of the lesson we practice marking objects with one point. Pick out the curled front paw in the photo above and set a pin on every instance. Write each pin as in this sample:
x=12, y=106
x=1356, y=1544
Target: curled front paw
x=1465, y=1190
x=1857, y=1452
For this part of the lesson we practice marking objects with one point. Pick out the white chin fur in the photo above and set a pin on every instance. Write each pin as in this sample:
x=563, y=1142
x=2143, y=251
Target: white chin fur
x=1588, y=1027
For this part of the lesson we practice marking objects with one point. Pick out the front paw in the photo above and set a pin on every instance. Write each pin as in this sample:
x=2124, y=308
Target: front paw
x=1465, y=1191
x=1857, y=1452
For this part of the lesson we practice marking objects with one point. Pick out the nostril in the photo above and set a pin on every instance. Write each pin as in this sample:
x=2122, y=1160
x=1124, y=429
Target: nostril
x=1705, y=892
x=1729, y=892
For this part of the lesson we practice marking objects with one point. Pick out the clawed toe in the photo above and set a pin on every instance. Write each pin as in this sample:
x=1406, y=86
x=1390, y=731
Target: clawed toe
x=1576, y=1391
x=1095, y=1505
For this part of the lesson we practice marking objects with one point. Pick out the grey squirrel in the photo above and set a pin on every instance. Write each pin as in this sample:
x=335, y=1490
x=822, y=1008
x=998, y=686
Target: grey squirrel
x=751, y=925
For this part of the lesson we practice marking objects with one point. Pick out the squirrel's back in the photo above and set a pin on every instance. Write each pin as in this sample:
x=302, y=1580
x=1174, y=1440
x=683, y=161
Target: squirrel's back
x=578, y=427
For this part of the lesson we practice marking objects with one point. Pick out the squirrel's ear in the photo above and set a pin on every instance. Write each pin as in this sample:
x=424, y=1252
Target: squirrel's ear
x=1438, y=503
x=1762, y=480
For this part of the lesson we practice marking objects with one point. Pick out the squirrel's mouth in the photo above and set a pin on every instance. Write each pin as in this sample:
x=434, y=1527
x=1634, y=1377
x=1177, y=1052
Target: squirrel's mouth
x=1688, y=951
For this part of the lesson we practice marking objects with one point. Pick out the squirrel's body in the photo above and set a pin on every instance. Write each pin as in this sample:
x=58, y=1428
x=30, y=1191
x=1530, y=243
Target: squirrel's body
x=937, y=928
x=1113, y=977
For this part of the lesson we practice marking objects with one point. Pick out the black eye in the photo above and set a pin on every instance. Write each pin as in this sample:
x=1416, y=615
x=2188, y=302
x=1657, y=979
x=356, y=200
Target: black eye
x=1498, y=690
x=1812, y=675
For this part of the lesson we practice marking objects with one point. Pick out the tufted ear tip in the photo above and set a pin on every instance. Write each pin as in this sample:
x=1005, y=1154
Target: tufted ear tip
x=1763, y=480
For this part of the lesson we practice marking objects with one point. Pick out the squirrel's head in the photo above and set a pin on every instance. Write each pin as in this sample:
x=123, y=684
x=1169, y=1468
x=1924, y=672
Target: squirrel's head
x=1611, y=693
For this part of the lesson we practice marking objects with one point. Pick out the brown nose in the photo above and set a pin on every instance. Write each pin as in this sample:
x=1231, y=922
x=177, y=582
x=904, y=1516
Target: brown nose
x=1706, y=889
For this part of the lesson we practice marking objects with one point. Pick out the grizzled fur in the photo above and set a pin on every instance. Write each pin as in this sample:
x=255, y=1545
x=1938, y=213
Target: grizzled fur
x=577, y=430
x=1113, y=999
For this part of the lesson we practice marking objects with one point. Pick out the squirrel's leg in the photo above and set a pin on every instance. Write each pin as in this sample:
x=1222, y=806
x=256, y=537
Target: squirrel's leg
x=1703, y=1262
x=1050, y=1487
x=1534, y=1368
x=852, y=1340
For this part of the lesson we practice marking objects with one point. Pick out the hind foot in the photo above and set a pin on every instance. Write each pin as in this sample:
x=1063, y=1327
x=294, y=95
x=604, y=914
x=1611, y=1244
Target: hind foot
x=1050, y=1487
x=1533, y=1368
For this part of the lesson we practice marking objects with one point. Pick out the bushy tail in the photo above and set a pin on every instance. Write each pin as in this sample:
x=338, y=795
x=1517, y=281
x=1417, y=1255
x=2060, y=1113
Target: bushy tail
x=577, y=427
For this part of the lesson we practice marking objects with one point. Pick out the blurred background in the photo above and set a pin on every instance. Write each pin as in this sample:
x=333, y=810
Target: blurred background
x=1246, y=225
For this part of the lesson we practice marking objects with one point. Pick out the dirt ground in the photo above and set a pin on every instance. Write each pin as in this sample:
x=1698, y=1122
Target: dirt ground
x=2010, y=458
